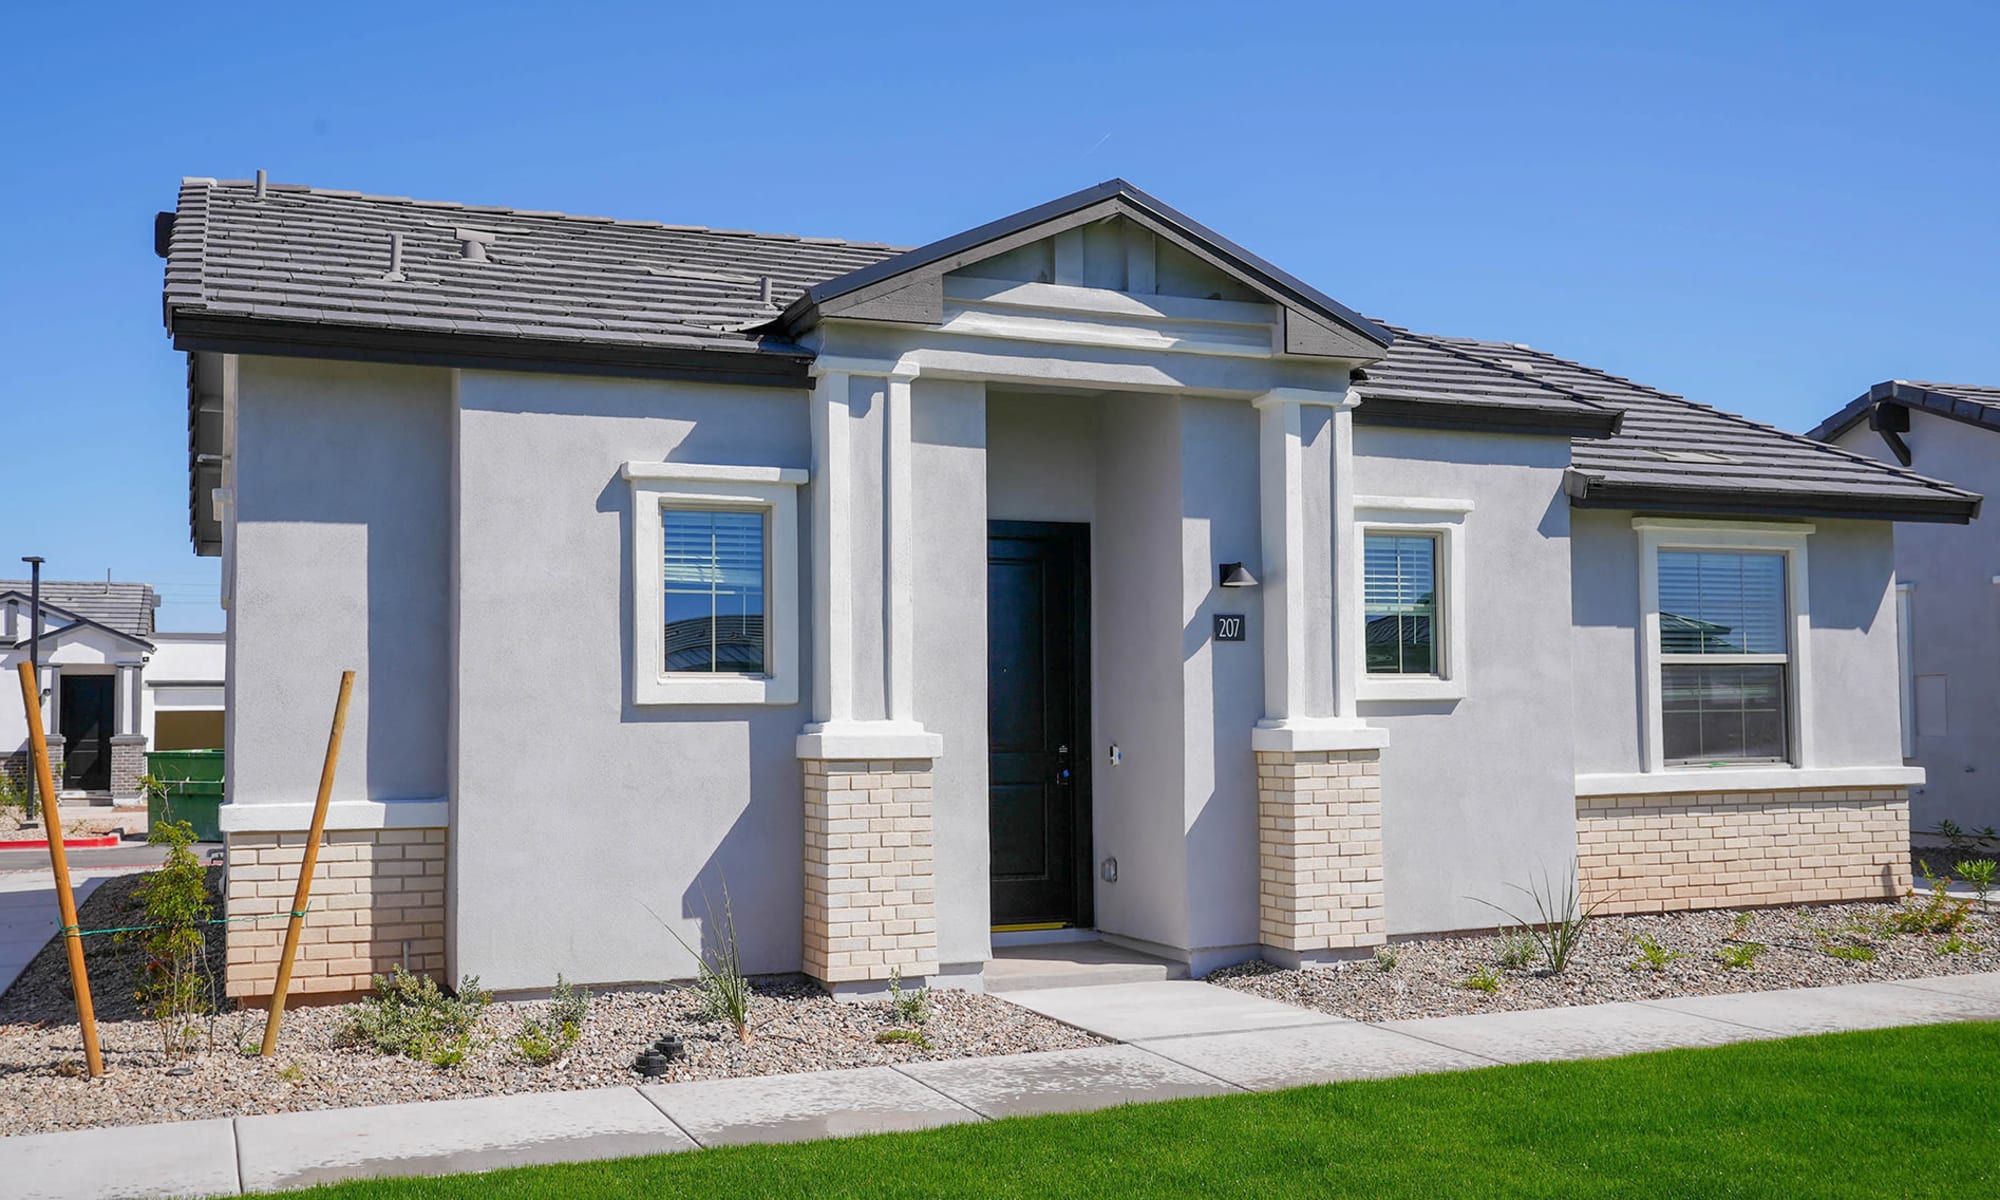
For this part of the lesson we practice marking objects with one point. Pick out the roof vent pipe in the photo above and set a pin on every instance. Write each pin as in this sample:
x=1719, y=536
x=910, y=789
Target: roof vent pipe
x=472, y=243
x=395, y=271
x=260, y=183
x=764, y=291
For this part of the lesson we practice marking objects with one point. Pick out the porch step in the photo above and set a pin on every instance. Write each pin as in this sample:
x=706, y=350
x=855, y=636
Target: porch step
x=1074, y=964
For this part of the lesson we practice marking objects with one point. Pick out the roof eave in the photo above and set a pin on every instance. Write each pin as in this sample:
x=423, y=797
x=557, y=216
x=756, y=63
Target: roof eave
x=1589, y=491
x=1409, y=413
x=753, y=363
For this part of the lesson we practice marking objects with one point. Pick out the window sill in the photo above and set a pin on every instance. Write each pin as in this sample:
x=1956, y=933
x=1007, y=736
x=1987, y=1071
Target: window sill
x=719, y=689
x=1745, y=779
x=1408, y=687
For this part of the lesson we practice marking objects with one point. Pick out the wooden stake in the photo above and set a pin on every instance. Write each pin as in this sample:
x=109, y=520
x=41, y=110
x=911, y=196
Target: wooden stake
x=304, y=892
x=79, y=977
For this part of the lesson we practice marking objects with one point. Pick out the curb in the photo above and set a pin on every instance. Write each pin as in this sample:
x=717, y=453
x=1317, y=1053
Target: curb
x=101, y=842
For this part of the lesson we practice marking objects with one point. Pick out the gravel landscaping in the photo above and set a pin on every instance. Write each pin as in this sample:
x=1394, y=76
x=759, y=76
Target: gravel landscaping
x=1428, y=977
x=795, y=1027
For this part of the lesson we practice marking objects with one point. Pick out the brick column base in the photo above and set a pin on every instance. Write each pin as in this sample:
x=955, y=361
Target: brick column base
x=377, y=903
x=1319, y=842
x=128, y=762
x=871, y=901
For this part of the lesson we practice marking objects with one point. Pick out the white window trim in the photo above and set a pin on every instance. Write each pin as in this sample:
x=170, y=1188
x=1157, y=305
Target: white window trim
x=1906, y=664
x=1657, y=534
x=1445, y=521
x=773, y=491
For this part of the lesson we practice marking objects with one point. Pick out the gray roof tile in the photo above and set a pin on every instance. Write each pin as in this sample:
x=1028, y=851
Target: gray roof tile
x=317, y=256
x=1967, y=402
x=125, y=607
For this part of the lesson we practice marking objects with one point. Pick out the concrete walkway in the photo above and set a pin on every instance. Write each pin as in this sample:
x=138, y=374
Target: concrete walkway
x=1176, y=1039
x=29, y=916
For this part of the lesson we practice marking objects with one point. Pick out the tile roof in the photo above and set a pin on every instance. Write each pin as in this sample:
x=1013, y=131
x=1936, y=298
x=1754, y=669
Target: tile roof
x=292, y=257
x=125, y=607
x=1970, y=403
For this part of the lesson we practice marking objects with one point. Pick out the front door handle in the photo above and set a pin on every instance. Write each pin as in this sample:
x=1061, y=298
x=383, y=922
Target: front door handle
x=1062, y=766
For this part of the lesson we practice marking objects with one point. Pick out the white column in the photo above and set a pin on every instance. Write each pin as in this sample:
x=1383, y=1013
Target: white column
x=128, y=699
x=49, y=702
x=838, y=731
x=1309, y=705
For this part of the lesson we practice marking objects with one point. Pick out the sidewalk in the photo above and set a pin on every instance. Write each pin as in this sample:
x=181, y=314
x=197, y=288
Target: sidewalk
x=1176, y=1039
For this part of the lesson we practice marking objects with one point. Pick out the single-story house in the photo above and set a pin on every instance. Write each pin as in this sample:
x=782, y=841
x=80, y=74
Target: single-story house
x=1079, y=571
x=1947, y=593
x=112, y=686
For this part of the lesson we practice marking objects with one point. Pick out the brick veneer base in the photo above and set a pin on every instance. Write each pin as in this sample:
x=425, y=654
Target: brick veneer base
x=377, y=902
x=1319, y=842
x=1659, y=853
x=128, y=763
x=871, y=903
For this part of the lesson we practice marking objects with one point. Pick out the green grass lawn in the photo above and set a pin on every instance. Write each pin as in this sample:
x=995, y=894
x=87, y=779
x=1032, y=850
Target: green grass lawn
x=1906, y=1112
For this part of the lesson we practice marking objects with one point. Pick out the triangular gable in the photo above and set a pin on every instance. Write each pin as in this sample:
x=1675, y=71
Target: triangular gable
x=910, y=286
x=79, y=625
x=48, y=609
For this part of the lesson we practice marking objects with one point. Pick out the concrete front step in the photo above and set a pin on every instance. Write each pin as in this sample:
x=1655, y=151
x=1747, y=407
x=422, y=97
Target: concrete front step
x=1074, y=964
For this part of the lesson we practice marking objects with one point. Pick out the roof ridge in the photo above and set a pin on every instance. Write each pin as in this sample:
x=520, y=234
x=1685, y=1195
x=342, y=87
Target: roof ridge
x=1738, y=418
x=1438, y=341
x=511, y=211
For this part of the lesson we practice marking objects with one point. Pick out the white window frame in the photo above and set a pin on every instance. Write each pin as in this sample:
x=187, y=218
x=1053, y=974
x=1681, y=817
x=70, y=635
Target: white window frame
x=1726, y=537
x=773, y=491
x=1444, y=520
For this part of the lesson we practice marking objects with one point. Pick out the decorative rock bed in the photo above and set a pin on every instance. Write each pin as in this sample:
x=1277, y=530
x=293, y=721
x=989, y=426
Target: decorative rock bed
x=795, y=1027
x=1429, y=976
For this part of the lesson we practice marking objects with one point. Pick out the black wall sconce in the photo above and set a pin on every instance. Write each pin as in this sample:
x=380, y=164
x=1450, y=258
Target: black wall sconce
x=1234, y=575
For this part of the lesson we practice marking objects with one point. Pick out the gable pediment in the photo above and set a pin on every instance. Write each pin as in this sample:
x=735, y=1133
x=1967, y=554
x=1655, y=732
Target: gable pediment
x=1113, y=240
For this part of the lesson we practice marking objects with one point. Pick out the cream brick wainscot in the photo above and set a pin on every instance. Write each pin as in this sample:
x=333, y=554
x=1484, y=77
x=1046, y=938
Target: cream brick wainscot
x=1319, y=842
x=870, y=894
x=377, y=903
x=1666, y=852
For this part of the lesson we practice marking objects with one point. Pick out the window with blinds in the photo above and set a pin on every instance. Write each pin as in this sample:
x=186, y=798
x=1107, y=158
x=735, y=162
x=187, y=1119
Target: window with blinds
x=1724, y=661
x=715, y=584
x=1399, y=603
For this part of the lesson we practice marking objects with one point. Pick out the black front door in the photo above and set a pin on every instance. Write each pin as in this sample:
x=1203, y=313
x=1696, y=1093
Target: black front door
x=1038, y=716
x=86, y=729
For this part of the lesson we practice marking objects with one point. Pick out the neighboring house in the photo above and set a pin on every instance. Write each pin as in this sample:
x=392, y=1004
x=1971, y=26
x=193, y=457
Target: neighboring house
x=1079, y=570
x=112, y=686
x=1948, y=592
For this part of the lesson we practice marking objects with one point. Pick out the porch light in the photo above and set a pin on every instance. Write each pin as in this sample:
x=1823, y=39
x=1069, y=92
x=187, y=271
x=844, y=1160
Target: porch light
x=1233, y=575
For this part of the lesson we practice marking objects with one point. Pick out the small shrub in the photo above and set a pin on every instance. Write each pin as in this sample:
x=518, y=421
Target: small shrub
x=1564, y=917
x=1652, y=955
x=292, y=1073
x=1852, y=951
x=1935, y=913
x=411, y=1016
x=1517, y=949
x=544, y=1039
x=1385, y=959
x=1979, y=873
x=905, y=1037
x=1955, y=944
x=17, y=795
x=1485, y=979
x=1740, y=923
x=175, y=988
x=1740, y=957
x=909, y=1008
x=1964, y=842
x=725, y=989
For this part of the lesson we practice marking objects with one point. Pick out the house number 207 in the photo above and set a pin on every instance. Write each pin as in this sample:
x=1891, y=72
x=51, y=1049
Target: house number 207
x=1228, y=627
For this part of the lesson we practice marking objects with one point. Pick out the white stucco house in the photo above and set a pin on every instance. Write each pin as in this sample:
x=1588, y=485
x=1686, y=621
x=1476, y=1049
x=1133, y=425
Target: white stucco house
x=1082, y=571
x=112, y=686
x=1947, y=593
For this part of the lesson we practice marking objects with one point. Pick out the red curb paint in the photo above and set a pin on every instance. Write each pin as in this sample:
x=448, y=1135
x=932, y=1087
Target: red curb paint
x=102, y=842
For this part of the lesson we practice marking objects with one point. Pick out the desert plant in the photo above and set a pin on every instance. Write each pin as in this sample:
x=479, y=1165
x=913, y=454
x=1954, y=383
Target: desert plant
x=725, y=990
x=1979, y=873
x=1564, y=917
x=1963, y=842
x=175, y=986
x=292, y=1073
x=909, y=1008
x=1741, y=956
x=1385, y=959
x=1652, y=955
x=1954, y=943
x=17, y=794
x=544, y=1039
x=905, y=1037
x=1517, y=949
x=1740, y=923
x=1485, y=979
x=1937, y=912
x=1852, y=951
x=410, y=1015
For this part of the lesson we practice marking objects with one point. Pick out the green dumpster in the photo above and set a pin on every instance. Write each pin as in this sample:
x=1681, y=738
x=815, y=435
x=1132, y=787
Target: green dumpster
x=190, y=789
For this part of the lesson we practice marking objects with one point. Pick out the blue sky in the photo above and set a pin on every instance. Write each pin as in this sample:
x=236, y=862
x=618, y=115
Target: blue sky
x=1766, y=208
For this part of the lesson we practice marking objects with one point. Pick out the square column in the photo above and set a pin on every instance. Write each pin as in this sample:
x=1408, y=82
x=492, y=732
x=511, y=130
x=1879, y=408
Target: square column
x=871, y=898
x=1319, y=848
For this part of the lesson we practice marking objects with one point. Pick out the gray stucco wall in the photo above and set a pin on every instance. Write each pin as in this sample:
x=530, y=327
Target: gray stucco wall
x=1954, y=627
x=342, y=548
x=1479, y=793
x=582, y=823
x=1853, y=663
